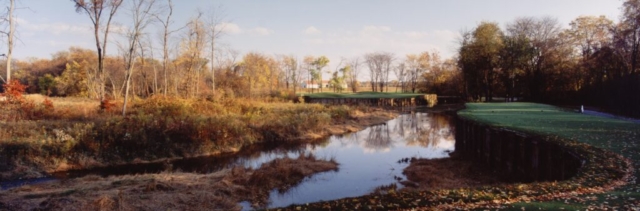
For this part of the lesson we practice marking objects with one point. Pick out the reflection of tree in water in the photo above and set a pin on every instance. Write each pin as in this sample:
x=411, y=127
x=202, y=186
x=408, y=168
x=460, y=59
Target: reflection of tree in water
x=347, y=139
x=425, y=130
x=416, y=129
x=379, y=138
x=408, y=125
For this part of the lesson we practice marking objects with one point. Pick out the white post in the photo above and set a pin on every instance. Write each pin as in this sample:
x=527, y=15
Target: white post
x=581, y=108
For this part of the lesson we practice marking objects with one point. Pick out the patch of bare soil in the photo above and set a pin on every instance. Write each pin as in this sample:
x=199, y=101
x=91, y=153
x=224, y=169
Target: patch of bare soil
x=447, y=173
x=221, y=190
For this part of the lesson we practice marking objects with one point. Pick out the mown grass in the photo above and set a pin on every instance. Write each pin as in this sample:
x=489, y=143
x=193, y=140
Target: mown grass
x=618, y=136
x=363, y=95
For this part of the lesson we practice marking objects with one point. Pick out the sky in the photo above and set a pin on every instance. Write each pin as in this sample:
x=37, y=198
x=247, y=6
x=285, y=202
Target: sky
x=333, y=28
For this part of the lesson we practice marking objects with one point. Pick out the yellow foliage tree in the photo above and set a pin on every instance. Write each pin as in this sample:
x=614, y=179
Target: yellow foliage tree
x=73, y=81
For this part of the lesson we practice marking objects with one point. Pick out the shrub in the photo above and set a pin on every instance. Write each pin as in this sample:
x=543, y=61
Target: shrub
x=13, y=91
x=46, y=84
x=106, y=105
x=16, y=107
x=283, y=95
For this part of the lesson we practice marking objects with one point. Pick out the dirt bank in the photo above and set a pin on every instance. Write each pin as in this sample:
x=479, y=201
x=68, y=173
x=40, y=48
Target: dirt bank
x=447, y=173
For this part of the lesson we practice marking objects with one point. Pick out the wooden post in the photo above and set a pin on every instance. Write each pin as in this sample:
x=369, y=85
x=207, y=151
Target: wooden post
x=510, y=155
x=486, y=151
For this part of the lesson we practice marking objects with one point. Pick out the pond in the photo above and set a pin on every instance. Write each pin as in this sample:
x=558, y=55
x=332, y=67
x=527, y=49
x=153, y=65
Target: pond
x=368, y=159
x=372, y=158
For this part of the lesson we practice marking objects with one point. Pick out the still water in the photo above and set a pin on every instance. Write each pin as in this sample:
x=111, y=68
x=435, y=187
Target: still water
x=370, y=158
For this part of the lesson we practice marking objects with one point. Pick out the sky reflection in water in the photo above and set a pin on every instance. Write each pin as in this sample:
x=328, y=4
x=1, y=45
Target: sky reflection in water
x=369, y=159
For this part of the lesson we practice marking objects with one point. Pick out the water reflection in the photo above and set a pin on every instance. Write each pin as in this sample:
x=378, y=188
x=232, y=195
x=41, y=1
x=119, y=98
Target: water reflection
x=378, y=139
x=369, y=159
x=431, y=132
x=5, y=185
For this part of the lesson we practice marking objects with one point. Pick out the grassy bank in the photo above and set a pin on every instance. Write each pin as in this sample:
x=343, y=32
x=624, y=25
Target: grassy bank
x=618, y=136
x=74, y=134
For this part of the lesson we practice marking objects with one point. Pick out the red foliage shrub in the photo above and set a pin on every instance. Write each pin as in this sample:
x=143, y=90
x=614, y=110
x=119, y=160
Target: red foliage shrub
x=48, y=105
x=17, y=107
x=106, y=105
x=14, y=90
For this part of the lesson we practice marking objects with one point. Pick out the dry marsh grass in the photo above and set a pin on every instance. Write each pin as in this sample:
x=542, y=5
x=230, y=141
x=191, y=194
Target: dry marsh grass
x=75, y=135
x=222, y=190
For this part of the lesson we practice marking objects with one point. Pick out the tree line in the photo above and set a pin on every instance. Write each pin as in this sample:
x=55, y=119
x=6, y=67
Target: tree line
x=594, y=61
x=185, y=61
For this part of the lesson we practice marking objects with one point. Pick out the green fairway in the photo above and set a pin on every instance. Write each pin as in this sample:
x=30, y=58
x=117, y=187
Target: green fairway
x=619, y=136
x=363, y=95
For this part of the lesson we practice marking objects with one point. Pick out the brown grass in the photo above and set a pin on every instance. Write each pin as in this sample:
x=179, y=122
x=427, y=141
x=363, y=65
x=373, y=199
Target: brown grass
x=76, y=135
x=70, y=108
x=221, y=190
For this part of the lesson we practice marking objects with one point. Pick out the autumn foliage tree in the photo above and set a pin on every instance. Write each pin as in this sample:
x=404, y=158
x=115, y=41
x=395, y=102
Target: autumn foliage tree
x=479, y=59
x=258, y=71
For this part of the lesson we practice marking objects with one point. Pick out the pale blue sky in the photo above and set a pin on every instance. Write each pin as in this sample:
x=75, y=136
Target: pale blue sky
x=335, y=28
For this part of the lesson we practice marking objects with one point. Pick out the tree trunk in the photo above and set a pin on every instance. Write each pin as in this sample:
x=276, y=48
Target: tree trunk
x=213, y=73
x=10, y=39
x=126, y=89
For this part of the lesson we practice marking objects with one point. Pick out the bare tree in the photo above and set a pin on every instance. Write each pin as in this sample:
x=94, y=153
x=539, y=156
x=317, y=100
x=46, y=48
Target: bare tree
x=193, y=46
x=141, y=12
x=353, y=74
x=166, y=34
x=379, y=64
x=296, y=76
x=373, y=74
x=401, y=74
x=155, y=69
x=166, y=23
x=289, y=65
x=10, y=36
x=94, y=9
x=215, y=31
x=388, y=62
